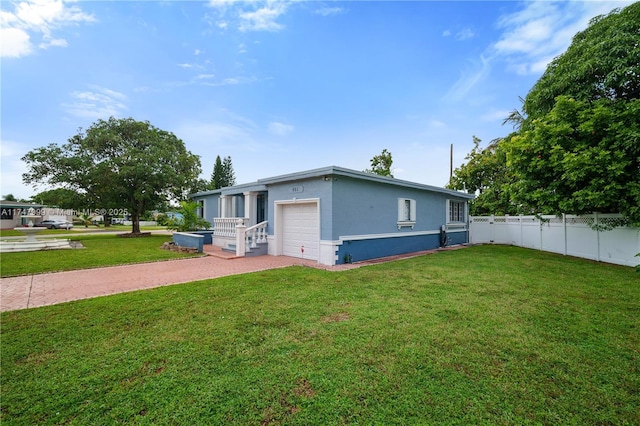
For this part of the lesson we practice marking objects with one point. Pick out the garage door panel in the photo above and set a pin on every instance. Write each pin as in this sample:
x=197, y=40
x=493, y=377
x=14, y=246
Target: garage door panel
x=300, y=228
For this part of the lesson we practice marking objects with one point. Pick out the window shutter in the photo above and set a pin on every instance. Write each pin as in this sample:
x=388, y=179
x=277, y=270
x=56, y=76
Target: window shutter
x=412, y=214
x=448, y=217
x=400, y=209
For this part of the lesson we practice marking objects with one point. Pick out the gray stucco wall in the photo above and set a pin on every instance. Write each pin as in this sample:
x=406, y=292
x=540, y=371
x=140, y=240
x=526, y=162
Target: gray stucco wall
x=350, y=206
x=303, y=189
x=210, y=206
x=363, y=208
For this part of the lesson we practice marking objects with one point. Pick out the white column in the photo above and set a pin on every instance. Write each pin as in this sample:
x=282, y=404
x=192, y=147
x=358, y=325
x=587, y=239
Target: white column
x=223, y=205
x=250, y=203
x=240, y=241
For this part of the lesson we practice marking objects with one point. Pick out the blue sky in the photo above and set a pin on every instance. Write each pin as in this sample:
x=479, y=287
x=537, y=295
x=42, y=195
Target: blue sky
x=280, y=86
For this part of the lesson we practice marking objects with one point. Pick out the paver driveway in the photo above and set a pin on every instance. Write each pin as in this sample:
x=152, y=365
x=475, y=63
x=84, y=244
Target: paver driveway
x=32, y=291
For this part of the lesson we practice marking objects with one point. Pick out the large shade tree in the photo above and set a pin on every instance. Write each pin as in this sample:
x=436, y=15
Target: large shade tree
x=578, y=149
x=124, y=164
x=576, y=146
x=580, y=158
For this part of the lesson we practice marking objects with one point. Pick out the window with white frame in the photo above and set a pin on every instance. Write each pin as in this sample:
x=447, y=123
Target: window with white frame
x=406, y=212
x=456, y=211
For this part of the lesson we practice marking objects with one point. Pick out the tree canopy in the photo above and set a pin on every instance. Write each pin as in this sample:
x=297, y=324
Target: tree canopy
x=602, y=62
x=121, y=164
x=579, y=158
x=381, y=164
x=576, y=146
x=485, y=173
x=62, y=198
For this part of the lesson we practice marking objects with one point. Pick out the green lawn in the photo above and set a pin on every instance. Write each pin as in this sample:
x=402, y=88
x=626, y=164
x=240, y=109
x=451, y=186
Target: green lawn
x=100, y=250
x=485, y=335
x=44, y=231
x=79, y=229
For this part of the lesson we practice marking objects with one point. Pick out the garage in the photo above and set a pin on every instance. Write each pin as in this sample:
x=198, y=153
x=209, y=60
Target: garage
x=300, y=228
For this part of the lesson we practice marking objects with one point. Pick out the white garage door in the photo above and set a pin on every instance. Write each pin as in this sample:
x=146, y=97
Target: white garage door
x=300, y=229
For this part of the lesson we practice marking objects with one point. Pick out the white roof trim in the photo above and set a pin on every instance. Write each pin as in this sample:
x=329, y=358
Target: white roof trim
x=332, y=171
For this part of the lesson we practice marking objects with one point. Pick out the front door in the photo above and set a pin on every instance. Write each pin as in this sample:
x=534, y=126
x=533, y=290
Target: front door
x=261, y=206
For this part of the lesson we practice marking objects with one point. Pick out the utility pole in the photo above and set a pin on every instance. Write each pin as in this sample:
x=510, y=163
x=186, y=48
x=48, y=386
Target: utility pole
x=450, y=164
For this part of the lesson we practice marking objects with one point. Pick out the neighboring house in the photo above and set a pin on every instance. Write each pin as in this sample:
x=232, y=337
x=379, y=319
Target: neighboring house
x=335, y=215
x=12, y=214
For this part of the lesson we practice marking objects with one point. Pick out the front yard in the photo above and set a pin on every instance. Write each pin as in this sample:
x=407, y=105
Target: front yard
x=485, y=335
x=99, y=251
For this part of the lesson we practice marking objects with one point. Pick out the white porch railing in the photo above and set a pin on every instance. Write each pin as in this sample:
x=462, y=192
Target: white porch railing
x=245, y=237
x=248, y=238
x=255, y=234
x=226, y=226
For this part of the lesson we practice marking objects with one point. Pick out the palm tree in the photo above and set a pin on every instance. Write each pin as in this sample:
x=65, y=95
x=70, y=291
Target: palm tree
x=515, y=117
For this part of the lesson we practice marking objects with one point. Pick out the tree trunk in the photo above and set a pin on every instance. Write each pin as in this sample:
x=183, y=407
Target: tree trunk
x=135, y=223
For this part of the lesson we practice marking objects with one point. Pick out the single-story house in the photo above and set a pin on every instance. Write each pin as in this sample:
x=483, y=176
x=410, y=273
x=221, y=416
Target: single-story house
x=336, y=215
x=12, y=214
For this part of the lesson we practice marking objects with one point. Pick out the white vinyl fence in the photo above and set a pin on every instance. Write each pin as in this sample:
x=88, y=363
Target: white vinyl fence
x=568, y=235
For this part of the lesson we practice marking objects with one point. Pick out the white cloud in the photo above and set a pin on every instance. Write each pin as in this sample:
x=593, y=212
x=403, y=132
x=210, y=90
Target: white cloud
x=530, y=39
x=330, y=11
x=279, y=129
x=465, y=34
x=231, y=81
x=55, y=42
x=99, y=103
x=471, y=76
x=251, y=15
x=542, y=30
x=31, y=18
x=223, y=4
x=14, y=43
x=263, y=19
x=188, y=66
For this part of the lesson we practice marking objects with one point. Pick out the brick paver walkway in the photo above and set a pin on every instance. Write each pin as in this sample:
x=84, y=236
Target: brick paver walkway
x=32, y=291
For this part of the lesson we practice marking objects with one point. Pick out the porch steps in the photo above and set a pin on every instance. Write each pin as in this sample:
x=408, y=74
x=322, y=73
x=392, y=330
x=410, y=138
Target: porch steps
x=218, y=252
x=261, y=250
